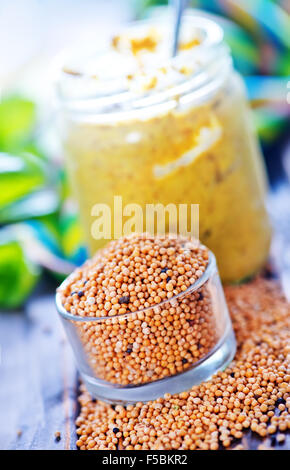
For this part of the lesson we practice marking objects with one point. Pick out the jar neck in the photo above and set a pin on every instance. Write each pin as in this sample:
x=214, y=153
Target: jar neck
x=212, y=64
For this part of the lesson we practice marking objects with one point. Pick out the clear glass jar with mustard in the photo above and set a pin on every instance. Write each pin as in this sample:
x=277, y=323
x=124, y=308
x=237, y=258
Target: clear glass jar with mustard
x=155, y=129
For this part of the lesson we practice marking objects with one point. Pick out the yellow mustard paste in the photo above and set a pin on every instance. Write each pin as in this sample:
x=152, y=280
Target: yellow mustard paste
x=205, y=154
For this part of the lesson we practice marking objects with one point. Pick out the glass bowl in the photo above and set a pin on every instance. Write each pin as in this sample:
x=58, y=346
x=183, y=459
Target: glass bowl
x=167, y=348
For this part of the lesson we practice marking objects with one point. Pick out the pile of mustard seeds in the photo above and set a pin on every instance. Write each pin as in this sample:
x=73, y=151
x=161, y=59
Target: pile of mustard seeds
x=251, y=394
x=143, y=274
x=133, y=273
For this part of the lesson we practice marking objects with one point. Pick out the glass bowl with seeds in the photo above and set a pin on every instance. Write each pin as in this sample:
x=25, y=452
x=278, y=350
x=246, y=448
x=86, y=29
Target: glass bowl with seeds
x=145, y=316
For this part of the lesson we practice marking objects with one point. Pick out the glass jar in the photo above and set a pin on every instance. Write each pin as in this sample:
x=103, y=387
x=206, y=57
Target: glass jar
x=117, y=369
x=183, y=139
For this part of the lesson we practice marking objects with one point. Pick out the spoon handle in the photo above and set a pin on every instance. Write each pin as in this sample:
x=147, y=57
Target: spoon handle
x=178, y=9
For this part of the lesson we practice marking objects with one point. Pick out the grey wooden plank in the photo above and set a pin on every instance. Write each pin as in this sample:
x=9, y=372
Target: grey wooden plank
x=37, y=379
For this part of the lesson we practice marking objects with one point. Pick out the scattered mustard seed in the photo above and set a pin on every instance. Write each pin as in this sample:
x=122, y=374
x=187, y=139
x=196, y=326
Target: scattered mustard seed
x=215, y=413
x=280, y=438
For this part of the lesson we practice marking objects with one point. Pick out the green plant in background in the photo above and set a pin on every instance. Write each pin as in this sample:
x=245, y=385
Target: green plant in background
x=18, y=275
x=36, y=232
x=17, y=121
x=257, y=32
x=19, y=175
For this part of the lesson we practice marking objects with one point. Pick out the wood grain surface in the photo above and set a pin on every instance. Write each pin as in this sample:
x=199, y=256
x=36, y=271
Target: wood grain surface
x=38, y=379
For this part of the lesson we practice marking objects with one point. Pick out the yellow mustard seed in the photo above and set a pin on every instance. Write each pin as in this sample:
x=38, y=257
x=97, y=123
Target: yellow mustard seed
x=201, y=418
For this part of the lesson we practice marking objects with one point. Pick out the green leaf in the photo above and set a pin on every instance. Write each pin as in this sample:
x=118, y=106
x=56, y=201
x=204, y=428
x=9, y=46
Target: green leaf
x=19, y=175
x=36, y=204
x=17, y=121
x=18, y=275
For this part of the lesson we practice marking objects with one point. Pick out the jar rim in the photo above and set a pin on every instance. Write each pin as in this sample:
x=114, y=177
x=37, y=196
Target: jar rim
x=116, y=103
x=210, y=268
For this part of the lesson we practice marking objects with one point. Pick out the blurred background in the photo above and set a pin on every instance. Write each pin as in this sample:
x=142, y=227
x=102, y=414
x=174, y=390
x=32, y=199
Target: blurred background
x=40, y=237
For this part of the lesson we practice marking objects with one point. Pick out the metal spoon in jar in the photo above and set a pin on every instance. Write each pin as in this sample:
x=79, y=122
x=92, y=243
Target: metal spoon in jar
x=178, y=7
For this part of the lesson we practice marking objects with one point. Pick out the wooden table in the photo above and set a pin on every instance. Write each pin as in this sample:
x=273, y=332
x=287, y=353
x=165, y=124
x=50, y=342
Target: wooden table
x=38, y=379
